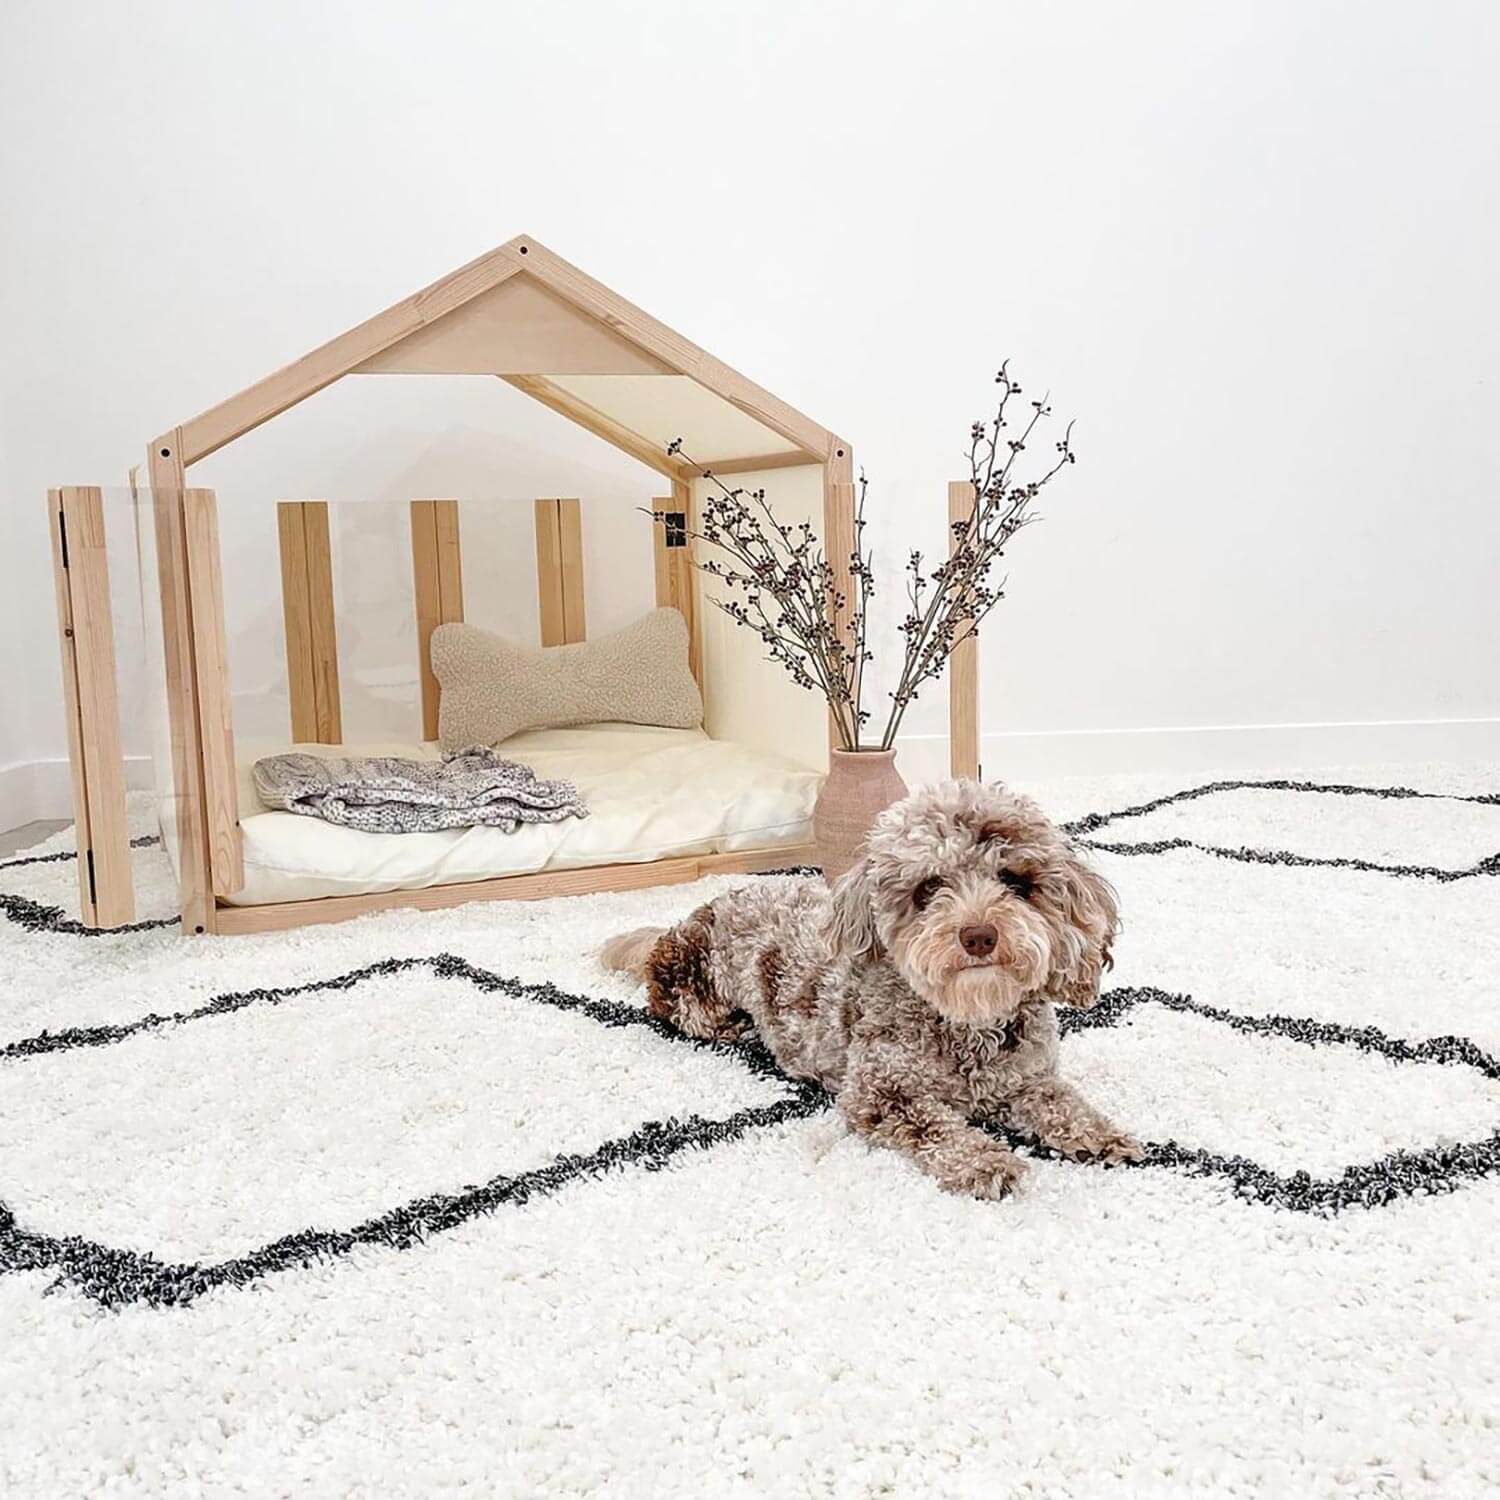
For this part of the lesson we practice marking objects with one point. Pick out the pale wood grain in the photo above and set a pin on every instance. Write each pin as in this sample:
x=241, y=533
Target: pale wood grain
x=417, y=323
x=591, y=419
x=267, y=398
x=549, y=574
x=676, y=352
x=164, y=467
x=516, y=328
x=106, y=895
x=215, y=710
x=105, y=854
x=437, y=579
x=570, y=551
x=839, y=544
x=328, y=711
x=755, y=463
x=559, y=572
x=311, y=631
x=963, y=664
x=541, y=887
x=450, y=564
x=296, y=616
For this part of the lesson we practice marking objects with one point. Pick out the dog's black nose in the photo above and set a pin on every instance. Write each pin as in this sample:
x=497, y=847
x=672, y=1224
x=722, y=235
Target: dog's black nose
x=979, y=940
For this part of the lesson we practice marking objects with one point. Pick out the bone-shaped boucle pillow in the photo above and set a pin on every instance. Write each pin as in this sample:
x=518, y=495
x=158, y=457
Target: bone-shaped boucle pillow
x=493, y=688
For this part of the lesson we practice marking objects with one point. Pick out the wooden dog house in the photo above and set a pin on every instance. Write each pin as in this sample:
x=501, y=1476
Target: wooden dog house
x=520, y=314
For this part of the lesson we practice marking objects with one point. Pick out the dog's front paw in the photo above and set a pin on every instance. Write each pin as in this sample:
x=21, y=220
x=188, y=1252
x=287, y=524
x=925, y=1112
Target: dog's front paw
x=1110, y=1146
x=983, y=1170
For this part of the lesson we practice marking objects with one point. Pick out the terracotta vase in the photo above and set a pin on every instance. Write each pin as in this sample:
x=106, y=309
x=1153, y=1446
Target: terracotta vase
x=860, y=785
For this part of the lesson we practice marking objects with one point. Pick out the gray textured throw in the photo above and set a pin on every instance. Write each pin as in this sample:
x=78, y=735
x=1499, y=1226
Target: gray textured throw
x=385, y=794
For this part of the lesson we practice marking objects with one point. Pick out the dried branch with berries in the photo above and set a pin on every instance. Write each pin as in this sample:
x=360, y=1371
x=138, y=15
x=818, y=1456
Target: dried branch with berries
x=778, y=582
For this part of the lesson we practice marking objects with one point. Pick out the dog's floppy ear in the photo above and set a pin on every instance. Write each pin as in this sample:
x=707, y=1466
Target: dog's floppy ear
x=1093, y=918
x=850, y=929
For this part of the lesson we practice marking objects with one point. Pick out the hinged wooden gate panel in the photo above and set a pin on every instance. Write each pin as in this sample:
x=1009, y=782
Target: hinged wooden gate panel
x=91, y=705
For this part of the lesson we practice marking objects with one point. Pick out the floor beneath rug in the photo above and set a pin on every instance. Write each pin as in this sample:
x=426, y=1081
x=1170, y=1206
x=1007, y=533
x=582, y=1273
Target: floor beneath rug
x=426, y=1201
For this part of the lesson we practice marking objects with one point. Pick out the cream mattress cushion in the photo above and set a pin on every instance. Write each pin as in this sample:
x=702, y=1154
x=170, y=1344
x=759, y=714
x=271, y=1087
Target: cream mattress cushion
x=652, y=793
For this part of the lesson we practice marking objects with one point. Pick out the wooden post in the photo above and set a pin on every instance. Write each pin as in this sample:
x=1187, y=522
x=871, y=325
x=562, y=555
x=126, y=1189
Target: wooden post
x=839, y=542
x=106, y=893
x=676, y=584
x=215, y=710
x=559, y=572
x=438, y=577
x=164, y=465
x=963, y=664
x=312, y=659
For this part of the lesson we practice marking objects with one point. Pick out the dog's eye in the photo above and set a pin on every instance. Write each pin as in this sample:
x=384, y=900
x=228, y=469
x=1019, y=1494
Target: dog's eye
x=922, y=896
x=1017, y=883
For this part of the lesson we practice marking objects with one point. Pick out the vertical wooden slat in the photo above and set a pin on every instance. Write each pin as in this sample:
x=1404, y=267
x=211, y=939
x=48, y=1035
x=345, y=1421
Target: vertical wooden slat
x=676, y=586
x=312, y=660
x=437, y=577
x=429, y=601
x=549, y=586
x=963, y=664
x=449, y=560
x=195, y=890
x=570, y=542
x=81, y=567
x=325, y=645
x=839, y=544
x=291, y=533
x=215, y=711
x=559, y=572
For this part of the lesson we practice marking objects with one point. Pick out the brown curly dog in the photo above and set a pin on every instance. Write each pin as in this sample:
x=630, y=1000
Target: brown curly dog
x=919, y=991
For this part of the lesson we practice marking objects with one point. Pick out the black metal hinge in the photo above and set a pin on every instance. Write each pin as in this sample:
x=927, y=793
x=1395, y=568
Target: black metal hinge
x=93, y=889
x=62, y=528
x=675, y=524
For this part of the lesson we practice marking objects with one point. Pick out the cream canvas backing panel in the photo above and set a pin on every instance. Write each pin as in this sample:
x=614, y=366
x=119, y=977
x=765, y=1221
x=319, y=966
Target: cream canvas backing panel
x=661, y=408
x=747, y=698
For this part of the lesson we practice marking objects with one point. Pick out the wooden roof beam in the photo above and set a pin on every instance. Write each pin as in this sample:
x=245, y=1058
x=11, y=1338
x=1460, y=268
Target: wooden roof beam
x=221, y=424
x=671, y=348
x=591, y=419
x=755, y=463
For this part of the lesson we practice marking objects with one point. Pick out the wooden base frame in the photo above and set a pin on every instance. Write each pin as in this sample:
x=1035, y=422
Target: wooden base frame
x=588, y=880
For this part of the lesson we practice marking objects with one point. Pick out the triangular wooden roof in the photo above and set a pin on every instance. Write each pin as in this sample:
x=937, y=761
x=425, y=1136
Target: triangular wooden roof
x=532, y=319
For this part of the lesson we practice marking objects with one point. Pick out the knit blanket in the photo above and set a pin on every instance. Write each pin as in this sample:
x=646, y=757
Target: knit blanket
x=386, y=794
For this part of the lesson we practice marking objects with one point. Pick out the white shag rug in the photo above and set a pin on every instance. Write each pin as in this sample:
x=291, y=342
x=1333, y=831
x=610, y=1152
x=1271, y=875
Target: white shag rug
x=423, y=1205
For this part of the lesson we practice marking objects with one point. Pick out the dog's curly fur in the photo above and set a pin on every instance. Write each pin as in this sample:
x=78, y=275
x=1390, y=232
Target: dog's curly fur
x=919, y=991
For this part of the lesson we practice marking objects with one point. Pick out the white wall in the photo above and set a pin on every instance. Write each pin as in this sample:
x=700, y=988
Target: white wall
x=1252, y=248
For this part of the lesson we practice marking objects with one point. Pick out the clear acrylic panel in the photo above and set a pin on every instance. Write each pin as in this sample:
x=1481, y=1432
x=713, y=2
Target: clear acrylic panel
x=370, y=567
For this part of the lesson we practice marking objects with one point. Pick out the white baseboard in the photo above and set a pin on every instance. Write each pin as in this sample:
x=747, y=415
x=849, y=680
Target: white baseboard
x=1244, y=749
x=35, y=789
